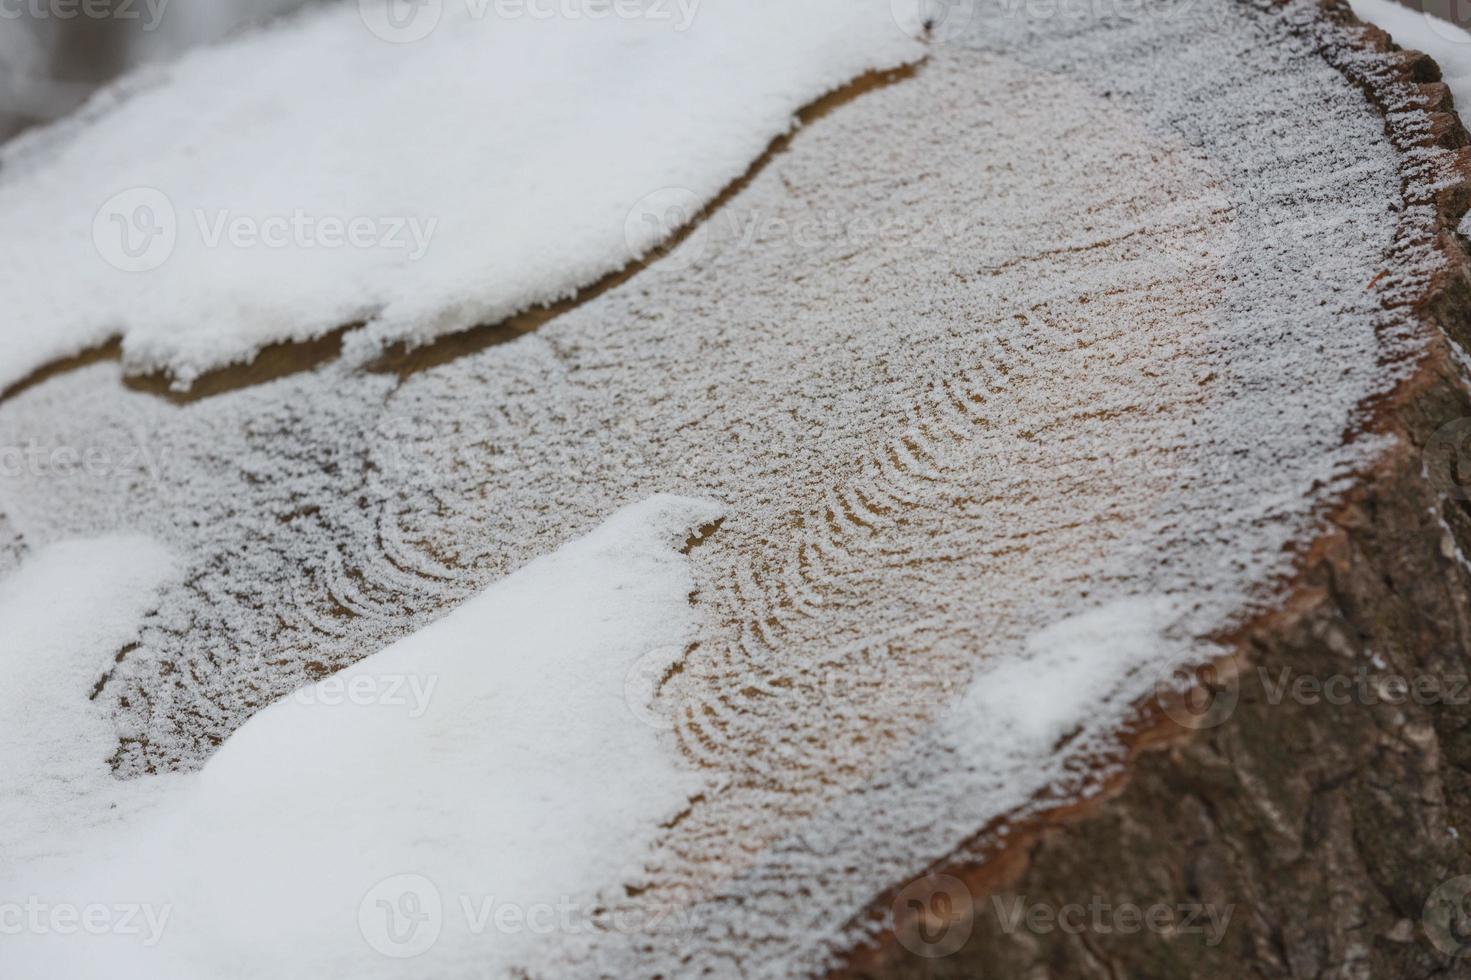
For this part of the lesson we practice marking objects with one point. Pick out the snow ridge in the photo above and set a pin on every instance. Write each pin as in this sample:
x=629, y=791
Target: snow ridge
x=479, y=764
x=340, y=174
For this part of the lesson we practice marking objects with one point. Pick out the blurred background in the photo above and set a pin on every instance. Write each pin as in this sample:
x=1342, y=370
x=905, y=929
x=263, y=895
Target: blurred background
x=54, y=53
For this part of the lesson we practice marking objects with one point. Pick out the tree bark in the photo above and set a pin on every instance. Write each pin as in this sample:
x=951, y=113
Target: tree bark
x=1323, y=808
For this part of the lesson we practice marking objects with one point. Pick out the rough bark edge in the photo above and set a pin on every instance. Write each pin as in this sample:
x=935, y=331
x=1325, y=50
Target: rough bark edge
x=1325, y=828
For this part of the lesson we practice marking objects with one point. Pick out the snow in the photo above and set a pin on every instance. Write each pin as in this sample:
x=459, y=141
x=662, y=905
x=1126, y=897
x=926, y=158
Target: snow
x=1447, y=43
x=490, y=760
x=66, y=613
x=1028, y=703
x=52, y=57
x=171, y=28
x=336, y=176
x=1049, y=359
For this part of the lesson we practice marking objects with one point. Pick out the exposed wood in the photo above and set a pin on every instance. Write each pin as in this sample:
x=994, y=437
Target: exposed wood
x=1321, y=812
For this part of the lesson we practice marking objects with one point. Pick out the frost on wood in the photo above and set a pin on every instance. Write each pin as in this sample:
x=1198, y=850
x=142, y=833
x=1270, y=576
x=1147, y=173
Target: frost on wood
x=66, y=613
x=1414, y=30
x=1060, y=345
x=488, y=756
x=422, y=186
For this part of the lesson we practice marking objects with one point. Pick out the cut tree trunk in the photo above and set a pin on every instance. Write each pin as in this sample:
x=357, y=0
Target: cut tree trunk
x=1314, y=795
x=931, y=449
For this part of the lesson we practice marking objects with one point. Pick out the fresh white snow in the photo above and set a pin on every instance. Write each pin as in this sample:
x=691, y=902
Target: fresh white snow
x=1447, y=43
x=488, y=772
x=339, y=168
x=1015, y=368
x=66, y=613
x=1026, y=704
